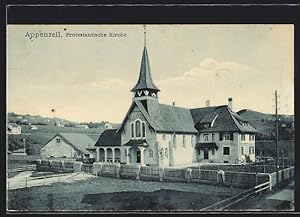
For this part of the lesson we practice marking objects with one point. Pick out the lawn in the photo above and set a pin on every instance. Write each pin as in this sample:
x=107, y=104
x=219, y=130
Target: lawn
x=100, y=193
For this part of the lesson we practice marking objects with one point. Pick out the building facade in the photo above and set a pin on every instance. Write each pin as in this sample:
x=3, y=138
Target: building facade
x=162, y=135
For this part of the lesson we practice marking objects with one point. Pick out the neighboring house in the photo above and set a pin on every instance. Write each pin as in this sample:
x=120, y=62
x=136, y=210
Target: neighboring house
x=83, y=126
x=68, y=145
x=166, y=135
x=14, y=129
x=33, y=127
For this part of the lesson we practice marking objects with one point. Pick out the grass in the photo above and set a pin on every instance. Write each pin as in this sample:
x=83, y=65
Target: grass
x=118, y=194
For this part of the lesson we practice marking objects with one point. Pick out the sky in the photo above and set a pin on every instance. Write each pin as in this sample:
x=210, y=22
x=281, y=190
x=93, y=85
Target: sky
x=89, y=78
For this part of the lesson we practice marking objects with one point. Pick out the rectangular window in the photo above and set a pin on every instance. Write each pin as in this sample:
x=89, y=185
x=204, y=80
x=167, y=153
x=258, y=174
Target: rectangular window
x=242, y=150
x=251, y=150
x=183, y=141
x=192, y=138
x=213, y=137
x=243, y=137
x=164, y=136
x=226, y=150
x=213, y=152
x=205, y=137
x=174, y=141
x=226, y=137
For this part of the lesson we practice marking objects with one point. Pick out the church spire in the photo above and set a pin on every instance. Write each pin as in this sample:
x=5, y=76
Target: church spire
x=145, y=83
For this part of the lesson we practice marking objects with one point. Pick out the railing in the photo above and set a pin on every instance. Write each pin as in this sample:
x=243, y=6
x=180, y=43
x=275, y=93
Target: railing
x=23, y=168
x=221, y=205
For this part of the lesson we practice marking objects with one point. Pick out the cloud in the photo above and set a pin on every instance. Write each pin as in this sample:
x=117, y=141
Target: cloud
x=217, y=80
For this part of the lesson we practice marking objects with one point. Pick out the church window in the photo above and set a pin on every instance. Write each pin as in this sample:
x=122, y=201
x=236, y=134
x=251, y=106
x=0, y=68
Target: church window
x=174, y=141
x=132, y=130
x=183, y=140
x=164, y=136
x=138, y=129
x=166, y=152
x=150, y=153
x=192, y=138
x=143, y=129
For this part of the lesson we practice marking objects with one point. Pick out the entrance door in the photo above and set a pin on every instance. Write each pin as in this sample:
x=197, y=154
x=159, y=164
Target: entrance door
x=138, y=156
x=206, y=154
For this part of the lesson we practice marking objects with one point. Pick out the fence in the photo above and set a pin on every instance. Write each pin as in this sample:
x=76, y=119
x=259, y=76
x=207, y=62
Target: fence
x=58, y=166
x=283, y=175
x=221, y=205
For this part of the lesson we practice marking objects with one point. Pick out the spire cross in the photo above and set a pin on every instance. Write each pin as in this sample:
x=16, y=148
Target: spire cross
x=144, y=35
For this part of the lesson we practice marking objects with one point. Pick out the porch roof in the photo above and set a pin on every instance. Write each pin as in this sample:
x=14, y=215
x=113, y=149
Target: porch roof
x=136, y=143
x=208, y=145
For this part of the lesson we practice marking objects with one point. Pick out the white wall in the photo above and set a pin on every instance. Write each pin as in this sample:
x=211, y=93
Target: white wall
x=177, y=154
x=58, y=149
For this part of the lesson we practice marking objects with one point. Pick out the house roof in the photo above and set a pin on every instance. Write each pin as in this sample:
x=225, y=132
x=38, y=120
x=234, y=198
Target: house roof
x=226, y=121
x=145, y=80
x=13, y=125
x=109, y=137
x=78, y=140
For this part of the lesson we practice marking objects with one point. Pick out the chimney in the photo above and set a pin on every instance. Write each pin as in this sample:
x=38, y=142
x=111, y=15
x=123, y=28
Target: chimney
x=207, y=103
x=230, y=103
x=173, y=103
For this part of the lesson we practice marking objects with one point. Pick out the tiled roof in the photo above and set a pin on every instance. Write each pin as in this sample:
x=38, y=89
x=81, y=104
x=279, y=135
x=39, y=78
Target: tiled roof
x=79, y=141
x=109, y=137
x=226, y=121
x=175, y=119
x=145, y=80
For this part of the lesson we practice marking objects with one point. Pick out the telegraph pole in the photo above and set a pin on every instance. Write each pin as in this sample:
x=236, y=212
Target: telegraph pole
x=276, y=136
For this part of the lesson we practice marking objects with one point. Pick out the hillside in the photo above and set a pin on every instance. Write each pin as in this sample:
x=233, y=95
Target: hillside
x=265, y=124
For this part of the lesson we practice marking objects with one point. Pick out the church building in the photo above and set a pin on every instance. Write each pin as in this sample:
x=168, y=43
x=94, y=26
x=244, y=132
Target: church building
x=162, y=135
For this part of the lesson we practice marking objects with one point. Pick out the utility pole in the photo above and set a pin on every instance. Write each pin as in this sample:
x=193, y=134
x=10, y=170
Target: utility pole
x=276, y=136
x=24, y=146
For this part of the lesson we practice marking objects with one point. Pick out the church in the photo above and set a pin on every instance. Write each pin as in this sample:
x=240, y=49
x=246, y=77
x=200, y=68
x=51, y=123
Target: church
x=155, y=134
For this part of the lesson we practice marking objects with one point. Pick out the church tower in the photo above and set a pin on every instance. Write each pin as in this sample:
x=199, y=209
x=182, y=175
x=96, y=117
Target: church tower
x=145, y=90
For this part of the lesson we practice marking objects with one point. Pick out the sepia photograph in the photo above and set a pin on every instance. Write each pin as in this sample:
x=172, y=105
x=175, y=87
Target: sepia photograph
x=150, y=118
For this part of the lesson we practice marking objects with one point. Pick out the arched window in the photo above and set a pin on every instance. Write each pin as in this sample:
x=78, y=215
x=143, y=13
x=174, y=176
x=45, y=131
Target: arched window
x=143, y=130
x=138, y=129
x=174, y=139
x=132, y=130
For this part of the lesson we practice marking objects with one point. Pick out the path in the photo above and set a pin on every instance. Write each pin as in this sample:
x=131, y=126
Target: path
x=282, y=199
x=24, y=179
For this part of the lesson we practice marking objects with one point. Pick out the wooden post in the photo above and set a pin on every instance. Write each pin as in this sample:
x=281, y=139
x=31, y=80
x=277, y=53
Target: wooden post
x=44, y=181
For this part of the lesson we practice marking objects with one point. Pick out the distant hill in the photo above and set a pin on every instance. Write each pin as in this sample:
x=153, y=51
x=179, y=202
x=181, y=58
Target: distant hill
x=265, y=124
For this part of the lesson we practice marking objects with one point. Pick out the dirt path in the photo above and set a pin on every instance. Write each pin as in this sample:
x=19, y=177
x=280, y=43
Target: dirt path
x=24, y=179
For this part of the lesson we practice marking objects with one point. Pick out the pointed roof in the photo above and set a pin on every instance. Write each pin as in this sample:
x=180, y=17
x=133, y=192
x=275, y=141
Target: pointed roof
x=145, y=80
